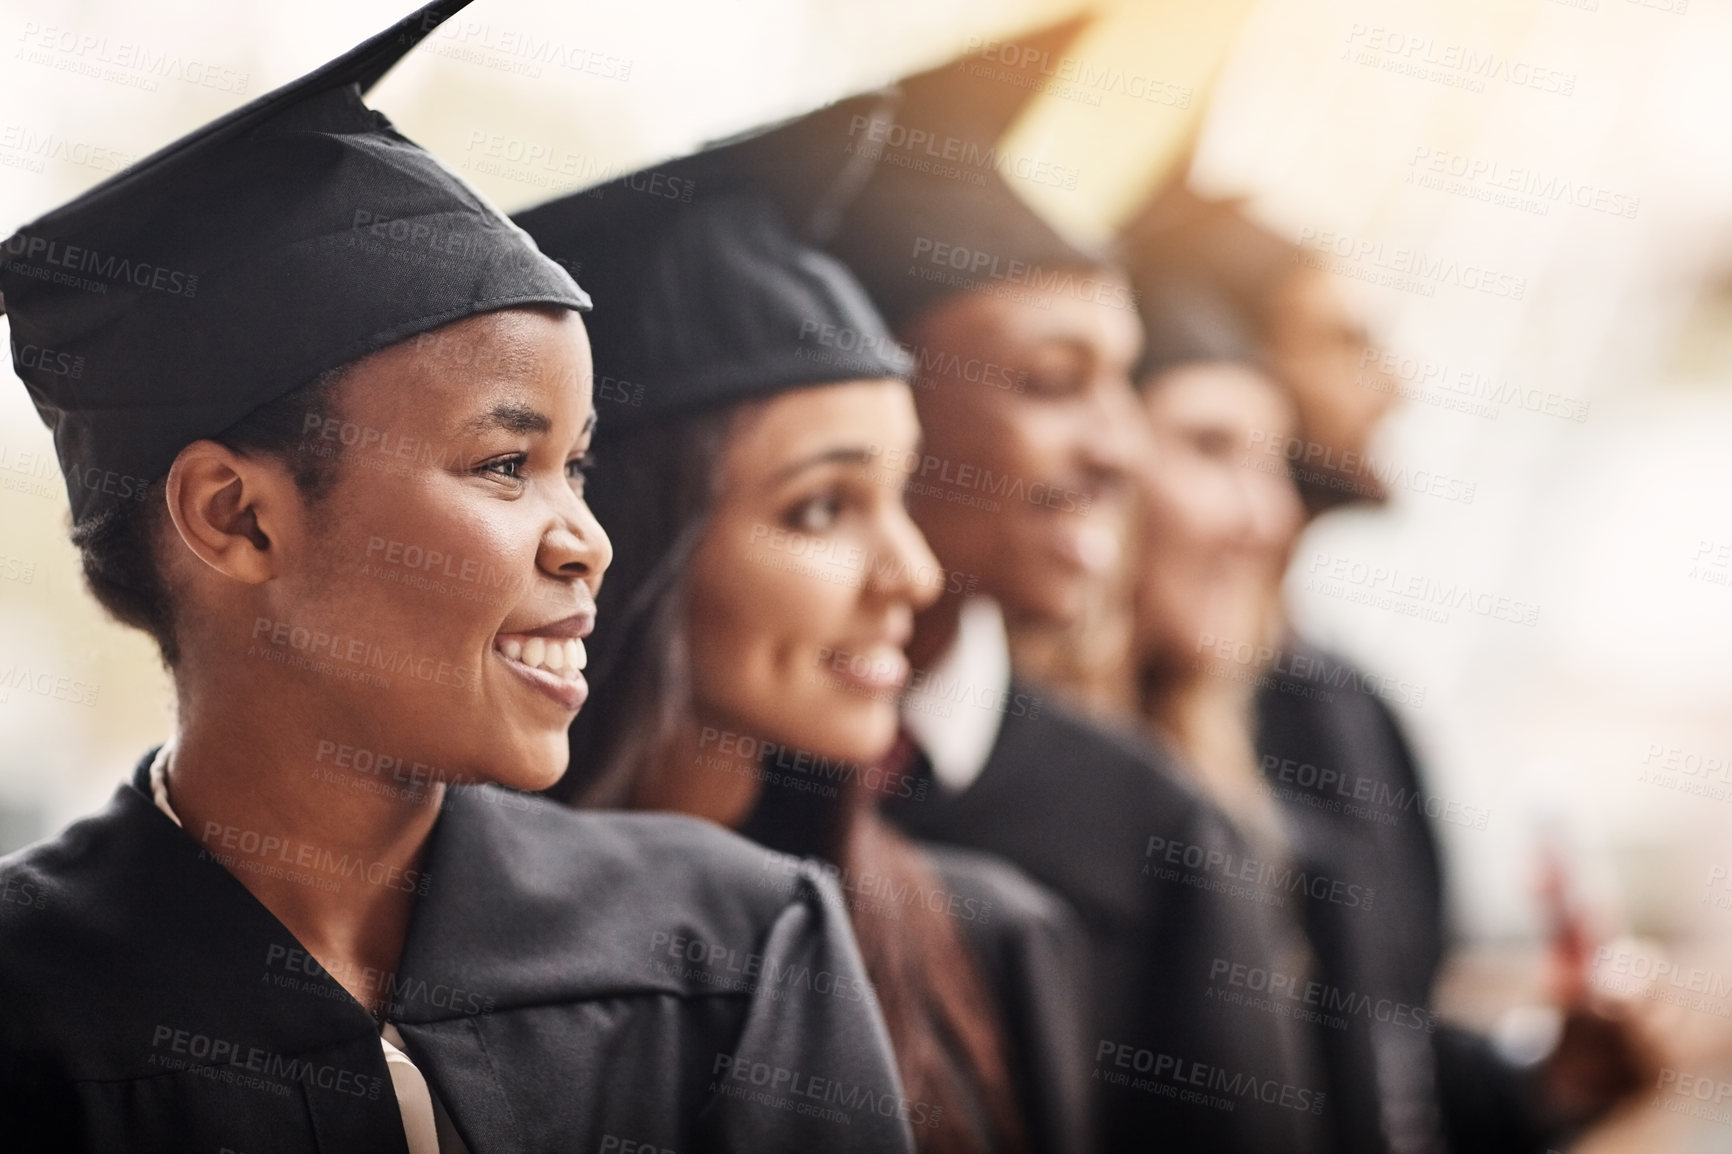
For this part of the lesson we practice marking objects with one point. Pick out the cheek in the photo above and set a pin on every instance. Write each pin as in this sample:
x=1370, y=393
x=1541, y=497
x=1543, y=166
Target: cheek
x=759, y=618
x=416, y=562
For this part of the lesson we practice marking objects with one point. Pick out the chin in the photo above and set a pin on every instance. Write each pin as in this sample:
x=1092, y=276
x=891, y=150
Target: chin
x=538, y=766
x=862, y=736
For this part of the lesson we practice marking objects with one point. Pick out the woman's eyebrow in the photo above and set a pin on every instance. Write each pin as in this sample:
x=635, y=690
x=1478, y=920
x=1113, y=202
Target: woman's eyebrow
x=512, y=418
x=861, y=455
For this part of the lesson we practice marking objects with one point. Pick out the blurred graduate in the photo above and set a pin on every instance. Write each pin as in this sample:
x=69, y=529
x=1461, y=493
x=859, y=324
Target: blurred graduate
x=1025, y=344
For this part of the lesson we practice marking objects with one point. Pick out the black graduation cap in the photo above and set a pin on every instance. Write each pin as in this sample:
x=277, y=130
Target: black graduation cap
x=291, y=236
x=711, y=288
x=1209, y=245
x=937, y=216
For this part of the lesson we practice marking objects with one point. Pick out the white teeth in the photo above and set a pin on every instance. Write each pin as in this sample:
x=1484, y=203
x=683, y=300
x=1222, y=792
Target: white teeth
x=563, y=657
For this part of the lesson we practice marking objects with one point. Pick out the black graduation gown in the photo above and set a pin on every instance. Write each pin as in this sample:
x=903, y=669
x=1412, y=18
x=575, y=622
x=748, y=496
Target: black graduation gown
x=1093, y=814
x=1356, y=806
x=1029, y=947
x=570, y=982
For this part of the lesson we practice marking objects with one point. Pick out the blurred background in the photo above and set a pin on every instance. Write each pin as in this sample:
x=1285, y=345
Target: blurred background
x=1575, y=152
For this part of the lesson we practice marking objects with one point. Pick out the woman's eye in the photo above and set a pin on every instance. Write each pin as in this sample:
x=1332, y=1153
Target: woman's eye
x=816, y=515
x=578, y=469
x=510, y=467
x=1055, y=384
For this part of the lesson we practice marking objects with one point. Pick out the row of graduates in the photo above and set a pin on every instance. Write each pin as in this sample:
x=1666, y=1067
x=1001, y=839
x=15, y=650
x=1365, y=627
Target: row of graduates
x=895, y=590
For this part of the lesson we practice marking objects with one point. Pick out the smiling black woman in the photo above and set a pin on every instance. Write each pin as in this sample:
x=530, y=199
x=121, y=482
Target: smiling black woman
x=328, y=451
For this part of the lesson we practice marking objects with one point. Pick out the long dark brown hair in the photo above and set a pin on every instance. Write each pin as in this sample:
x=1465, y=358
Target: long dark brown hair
x=653, y=491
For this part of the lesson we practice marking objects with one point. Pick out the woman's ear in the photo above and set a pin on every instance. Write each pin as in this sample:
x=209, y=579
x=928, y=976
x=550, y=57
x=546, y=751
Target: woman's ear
x=227, y=506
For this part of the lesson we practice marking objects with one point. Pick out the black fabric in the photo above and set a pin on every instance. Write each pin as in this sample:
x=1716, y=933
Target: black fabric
x=289, y=237
x=548, y=991
x=708, y=303
x=1024, y=939
x=1076, y=807
x=937, y=217
x=1030, y=949
x=1187, y=323
x=1356, y=806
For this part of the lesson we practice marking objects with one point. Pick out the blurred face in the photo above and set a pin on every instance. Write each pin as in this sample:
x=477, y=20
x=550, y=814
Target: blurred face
x=1319, y=350
x=803, y=591
x=1030, y=432
x=435, y=601
x=1217, y=527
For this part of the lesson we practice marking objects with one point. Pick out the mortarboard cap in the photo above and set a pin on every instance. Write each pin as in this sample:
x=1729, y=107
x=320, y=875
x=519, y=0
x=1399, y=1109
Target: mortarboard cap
x=289, y=237
x=937, y=216
x=711, y=291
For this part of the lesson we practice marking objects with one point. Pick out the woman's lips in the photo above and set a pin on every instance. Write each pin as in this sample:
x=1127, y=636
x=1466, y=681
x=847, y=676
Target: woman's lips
x=551, y=665
x=876, y=670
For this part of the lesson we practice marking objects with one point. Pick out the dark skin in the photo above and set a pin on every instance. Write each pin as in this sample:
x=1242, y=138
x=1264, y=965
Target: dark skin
x=1044, y=467
x=246, y=550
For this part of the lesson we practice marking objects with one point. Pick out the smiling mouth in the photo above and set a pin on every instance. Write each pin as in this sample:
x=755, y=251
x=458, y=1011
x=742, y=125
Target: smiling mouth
x=552, y=665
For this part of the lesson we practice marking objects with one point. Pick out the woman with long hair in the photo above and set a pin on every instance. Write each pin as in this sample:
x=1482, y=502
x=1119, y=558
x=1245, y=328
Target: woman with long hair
x=754, y=659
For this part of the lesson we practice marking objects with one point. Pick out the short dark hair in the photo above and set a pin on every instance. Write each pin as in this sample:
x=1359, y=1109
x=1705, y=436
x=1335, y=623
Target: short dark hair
x=117, y=547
